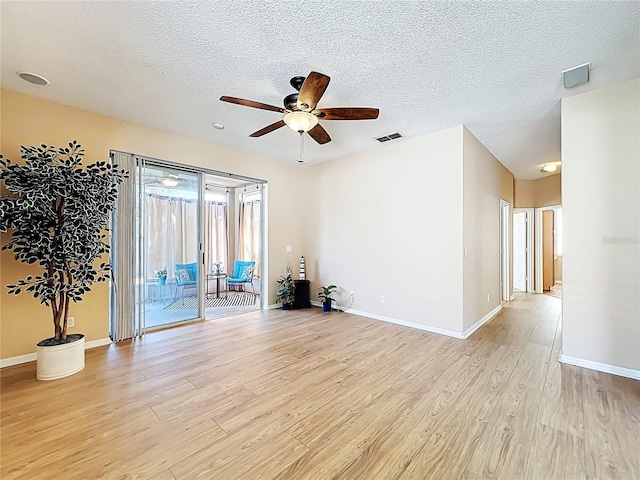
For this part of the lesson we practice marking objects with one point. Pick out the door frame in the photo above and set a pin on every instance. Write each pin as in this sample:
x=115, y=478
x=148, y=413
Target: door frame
x=505, y=251
x=538, y=245
x=528, y=238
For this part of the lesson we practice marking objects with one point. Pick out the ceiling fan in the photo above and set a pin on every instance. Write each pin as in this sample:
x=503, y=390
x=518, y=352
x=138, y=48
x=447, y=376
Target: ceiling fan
x=300, y=109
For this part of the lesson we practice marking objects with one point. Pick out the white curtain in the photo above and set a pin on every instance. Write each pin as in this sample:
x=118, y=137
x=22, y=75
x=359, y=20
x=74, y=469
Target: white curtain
x=215, y=236
x=249, y=240
x=172, y=226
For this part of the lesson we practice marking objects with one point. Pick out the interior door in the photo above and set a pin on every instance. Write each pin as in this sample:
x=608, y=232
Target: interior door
x=519, y=251
x=547, y=250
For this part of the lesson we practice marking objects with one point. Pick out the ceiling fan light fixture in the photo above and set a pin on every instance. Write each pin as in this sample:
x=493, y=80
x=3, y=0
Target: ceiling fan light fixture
x=300, y=121
x=169, y=182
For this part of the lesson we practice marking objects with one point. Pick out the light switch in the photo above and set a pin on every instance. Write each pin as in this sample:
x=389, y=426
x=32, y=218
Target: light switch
x=288, y=249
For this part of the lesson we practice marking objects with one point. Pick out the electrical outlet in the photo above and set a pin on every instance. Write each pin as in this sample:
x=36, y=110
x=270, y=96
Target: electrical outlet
x=71, y=322
x=288, y=249
x=383, y=299
x=352, y=294
x=488, y=297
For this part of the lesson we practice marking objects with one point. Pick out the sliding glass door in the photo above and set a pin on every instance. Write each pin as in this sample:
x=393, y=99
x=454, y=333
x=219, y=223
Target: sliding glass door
x=186, y=244
x=169, y=252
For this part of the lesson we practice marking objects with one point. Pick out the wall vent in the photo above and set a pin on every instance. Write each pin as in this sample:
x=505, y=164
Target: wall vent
x=391, y=136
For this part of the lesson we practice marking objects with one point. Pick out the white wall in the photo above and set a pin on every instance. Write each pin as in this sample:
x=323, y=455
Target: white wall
x=389, y=222
x=601, y=210
x=486, y=181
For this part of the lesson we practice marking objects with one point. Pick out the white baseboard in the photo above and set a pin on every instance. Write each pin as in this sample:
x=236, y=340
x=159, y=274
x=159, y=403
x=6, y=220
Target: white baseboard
x=600, y=367
x=513, y=297
x=31, y=357
x=420, y=326
x=101, y=342
x=273, y=306
x=8, y=362
x=482, y=321
x=404, y=323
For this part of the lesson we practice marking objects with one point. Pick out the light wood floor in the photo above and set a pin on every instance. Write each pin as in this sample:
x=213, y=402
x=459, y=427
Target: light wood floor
x=307, y=395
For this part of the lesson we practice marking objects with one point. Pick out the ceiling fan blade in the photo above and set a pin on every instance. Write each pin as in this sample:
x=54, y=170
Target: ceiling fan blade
x=312, y=90
x=319, y=134
x=251, y=103
x=268, y=129
x=348, y=113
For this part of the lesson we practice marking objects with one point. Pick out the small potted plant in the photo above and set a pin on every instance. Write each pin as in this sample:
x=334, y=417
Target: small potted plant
x=58, y=212
x=286, y=290
x=326, y=294
x=161, y=275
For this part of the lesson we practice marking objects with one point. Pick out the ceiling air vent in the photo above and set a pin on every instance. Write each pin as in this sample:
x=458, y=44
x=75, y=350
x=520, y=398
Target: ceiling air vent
x=386, y=138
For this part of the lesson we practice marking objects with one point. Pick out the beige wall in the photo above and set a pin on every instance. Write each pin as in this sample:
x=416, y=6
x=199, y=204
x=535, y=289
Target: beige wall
x=389, y=222
x=486, y=181
x=393, y=222
x=385, y=222
x=601, y=213
x=543, y=192
x=28, y=120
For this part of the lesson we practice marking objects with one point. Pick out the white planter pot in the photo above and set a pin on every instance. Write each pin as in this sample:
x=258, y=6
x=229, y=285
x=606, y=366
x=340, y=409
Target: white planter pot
x=59, y=361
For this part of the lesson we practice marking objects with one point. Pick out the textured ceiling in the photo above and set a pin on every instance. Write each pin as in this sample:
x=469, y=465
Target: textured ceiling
x=492, y=66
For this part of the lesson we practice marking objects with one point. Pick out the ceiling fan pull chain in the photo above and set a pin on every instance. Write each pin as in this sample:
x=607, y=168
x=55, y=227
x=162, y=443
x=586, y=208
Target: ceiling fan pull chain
x=301, y=140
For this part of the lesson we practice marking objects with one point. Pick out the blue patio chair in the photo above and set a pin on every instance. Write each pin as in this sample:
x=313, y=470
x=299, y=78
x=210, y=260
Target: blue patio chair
x=186, y=276
x=242, y=273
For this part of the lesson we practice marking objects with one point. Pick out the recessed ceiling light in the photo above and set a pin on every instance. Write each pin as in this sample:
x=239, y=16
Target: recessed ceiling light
x=549, y=168
x=33, y=78
x=219, y=126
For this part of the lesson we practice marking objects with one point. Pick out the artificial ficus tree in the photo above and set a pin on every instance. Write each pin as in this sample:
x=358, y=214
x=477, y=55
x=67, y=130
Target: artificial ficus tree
x=58, y=211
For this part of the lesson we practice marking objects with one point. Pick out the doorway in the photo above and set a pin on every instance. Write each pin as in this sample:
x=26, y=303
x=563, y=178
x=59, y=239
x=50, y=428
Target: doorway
x=522, y=249
x=549, y=250
x=233, y=246
x=170, y=234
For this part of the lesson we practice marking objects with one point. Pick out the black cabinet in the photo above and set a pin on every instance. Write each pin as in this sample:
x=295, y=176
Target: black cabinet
x=302, y=294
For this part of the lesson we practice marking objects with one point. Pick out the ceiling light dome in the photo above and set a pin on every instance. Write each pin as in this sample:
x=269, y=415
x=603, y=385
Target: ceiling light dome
x=549, y=168
x=300, y=121
x=169, y=182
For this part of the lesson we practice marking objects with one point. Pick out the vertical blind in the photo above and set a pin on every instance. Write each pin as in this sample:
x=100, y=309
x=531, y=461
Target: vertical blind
x=124, y=314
